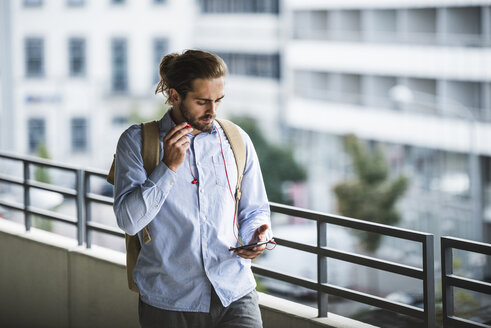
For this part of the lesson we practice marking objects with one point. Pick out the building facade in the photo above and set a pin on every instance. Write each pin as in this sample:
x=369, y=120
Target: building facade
x=81, y=69
x=413, y=76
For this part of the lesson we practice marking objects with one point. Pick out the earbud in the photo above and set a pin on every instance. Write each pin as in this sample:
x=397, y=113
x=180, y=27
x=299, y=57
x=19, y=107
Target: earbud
x=195, y=181
x=188, y=126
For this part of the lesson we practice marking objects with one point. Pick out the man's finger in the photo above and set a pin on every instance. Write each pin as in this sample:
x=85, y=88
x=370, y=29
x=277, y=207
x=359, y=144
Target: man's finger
x=174, y=130
x=259, y=234
x=178, y=136
x=251, y=253
x=178, y=129
x=182, y=141
x=263, y=228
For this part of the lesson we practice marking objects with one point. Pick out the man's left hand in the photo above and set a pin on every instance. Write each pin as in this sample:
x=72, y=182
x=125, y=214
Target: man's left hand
x=259, y=235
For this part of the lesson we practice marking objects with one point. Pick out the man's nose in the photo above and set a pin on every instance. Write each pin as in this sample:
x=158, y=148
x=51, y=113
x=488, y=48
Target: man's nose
x=212, y=107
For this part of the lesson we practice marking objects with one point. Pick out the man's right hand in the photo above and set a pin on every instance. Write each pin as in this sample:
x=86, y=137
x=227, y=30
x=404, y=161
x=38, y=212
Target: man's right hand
x=176, y=143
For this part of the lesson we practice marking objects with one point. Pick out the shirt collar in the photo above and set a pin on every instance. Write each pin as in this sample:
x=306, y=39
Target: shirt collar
x=166, y=123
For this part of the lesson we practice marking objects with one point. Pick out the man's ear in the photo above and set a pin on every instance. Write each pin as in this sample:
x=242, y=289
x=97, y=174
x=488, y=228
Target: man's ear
x=175, y=97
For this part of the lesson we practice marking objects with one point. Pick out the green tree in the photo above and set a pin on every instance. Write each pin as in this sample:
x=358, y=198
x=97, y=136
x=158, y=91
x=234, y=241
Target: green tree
x=277, y=163
x=41, y=174
x=370, y=195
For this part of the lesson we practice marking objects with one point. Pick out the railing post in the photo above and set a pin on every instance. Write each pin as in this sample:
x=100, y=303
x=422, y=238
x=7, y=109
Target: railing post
x=88, y=212
x=429, y=281
x=80, y=204
x=27, y=197
x=447, y=290
x=322, y=298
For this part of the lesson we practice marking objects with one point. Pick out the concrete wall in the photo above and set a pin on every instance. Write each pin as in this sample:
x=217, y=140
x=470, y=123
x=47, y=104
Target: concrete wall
x=46, y=280
x=33, y=283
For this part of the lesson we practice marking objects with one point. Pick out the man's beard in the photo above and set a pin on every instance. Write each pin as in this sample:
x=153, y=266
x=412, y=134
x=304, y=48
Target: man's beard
x=195, y=122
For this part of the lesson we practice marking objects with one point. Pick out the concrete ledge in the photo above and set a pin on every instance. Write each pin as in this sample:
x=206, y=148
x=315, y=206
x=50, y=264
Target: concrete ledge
x=278, y=312
x=47, y=280
x=98, y=289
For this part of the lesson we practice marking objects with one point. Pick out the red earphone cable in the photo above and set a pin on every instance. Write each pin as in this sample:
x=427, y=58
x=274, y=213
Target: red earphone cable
x=195, y=181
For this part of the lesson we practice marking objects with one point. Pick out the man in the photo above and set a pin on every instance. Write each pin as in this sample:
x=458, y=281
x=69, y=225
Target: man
x=186, y=274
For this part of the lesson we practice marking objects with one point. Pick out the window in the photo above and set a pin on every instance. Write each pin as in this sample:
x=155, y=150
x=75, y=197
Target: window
x=36, y=130
x=76, y=57
x=79, y=134
x=75, y=3
x=240, y=6
x=160, y=48
x=33, y=3
x=260, y=65
x=120, y=120
x=119, y=65
x=34, y=57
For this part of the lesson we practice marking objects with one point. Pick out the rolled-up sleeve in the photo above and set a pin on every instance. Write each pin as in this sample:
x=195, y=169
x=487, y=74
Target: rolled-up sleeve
x=138, y=198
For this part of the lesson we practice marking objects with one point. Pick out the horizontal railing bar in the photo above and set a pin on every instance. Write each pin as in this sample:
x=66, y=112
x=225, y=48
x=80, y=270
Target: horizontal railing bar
x=39, y=161
x=373, y=300
x=53, y=188
x=466, y=245
x=9, y=179
x=306, y=283
x=40, y=185
x=342, y=292
x=105, y=229
x=388, y=266
x=96, y=172
x=384, y=265
x=470, y=284
x=349, y=222
x=463, y=323
x=100, y=199
x=11, y=205
x=296, y=245
x=52, y=215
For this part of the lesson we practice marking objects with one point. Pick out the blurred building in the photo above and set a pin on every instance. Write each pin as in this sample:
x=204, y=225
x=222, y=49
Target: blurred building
x=81, y=68
x=247, y=34
x=414, y=76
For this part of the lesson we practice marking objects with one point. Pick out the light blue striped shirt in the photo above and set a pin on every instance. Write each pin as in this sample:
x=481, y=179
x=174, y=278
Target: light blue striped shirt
x=191, y=225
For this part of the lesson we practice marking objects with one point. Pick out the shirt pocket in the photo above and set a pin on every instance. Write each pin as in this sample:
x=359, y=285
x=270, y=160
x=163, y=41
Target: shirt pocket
x=221, y=173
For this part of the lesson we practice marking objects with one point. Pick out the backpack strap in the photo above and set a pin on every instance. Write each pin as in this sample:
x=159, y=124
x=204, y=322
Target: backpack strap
x=150, y=145
x=110, y=175
x=150, y=155
x=238, y=148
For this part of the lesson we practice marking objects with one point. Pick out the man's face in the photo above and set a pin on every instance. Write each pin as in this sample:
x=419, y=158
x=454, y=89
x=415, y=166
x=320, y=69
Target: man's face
x=200, y=106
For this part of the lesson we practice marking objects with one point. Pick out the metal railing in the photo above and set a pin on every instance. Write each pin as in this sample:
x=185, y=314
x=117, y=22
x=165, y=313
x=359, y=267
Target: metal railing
x=425, y=274
x=27, y=183
x=85, y=198
x=89, y=199
x=449, y=280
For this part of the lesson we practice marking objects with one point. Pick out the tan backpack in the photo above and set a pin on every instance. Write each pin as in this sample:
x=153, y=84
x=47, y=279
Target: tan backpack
x=151, y=158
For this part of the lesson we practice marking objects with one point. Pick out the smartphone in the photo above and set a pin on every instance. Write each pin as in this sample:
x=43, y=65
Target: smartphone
x=249, y=246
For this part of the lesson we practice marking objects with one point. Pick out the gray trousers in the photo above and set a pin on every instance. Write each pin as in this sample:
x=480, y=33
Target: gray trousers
x=241, y=313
